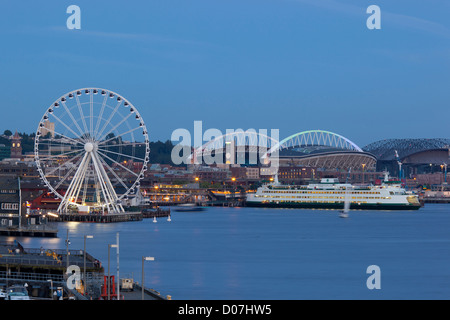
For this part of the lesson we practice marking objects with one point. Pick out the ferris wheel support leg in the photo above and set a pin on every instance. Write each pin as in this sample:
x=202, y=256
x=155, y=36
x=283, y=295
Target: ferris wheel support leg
x=109, y=186
x=76, y=188
x=82, y=177
x=69, y=192
x=106, y=194
x=74, y=191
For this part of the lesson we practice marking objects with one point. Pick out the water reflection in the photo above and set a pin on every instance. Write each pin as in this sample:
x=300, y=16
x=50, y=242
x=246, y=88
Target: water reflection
x=248, y=253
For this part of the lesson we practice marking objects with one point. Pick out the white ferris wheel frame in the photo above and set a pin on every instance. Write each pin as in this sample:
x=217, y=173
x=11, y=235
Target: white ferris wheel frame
x=90, y=142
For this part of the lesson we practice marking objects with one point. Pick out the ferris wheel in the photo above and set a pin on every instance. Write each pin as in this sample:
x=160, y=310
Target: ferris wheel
x=91, y=150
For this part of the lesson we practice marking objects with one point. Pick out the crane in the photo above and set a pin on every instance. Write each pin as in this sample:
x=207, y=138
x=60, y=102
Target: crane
x=399, y=164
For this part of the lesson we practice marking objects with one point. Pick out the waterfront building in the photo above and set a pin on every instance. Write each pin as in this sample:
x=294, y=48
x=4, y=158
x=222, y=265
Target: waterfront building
x=205, y=173
x=10, y=201
x=18, y=168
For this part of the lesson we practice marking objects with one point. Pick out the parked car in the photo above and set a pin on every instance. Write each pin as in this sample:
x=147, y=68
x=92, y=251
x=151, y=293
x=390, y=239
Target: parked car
x=17, y=292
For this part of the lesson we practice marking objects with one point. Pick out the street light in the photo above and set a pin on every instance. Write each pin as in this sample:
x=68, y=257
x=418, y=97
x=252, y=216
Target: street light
x=363, y=166
x=118, y=279
x=444, y=173
x=67, y=250
x=84, y=270
x=142, y=284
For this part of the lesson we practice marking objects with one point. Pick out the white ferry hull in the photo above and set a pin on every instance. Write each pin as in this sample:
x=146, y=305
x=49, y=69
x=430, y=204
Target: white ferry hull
x=330, y=194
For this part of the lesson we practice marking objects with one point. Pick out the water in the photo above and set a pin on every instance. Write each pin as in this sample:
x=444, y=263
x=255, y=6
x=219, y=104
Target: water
x=253, y=253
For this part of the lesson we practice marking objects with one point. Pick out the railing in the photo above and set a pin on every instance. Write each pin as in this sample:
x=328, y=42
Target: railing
x=41, y=277
x=25, y=276
x=33, y=260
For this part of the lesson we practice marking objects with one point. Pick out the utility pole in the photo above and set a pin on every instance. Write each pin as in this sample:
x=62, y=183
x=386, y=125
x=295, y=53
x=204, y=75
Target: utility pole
x=20, y=203
x=118, y=279
x=67, y=251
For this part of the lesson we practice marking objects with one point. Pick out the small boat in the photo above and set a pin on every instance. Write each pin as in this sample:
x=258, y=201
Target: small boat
x=168, y=218
x=154, y=219
x=344, y=213
x=186, y=207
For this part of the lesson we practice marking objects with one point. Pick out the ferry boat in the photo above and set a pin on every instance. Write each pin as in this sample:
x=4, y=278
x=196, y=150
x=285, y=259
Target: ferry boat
x=330, y=194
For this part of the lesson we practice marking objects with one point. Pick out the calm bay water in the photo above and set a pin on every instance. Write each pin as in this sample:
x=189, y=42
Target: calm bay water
x=251, y=253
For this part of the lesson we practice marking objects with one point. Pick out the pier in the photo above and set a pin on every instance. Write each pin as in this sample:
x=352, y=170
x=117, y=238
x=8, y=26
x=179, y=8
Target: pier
x=111, y=217
x=435, y=199
x=29, y=231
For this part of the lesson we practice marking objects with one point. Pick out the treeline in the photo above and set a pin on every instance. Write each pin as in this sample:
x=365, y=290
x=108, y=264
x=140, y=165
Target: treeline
x=27, y=140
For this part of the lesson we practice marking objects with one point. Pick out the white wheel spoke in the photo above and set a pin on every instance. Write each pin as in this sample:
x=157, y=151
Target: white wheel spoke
x=91, y=117
x=114, y=174
x=64, y=136
x=116, y=126
x=58, y=167
x=80, y=109
x=115, y=137
x=100, y=115
x=118, y=163
x=135, y=144
x=67, y=174
x=123, y=155
x=110, y=118
x=46, y=157
x=65, y=125
x=72, y=117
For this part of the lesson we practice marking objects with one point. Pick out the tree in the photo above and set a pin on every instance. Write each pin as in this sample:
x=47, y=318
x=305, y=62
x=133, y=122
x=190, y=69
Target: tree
x=7, y=133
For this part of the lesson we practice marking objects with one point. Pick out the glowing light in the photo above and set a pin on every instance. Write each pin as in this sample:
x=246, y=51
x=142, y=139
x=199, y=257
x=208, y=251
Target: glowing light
x=52, y=214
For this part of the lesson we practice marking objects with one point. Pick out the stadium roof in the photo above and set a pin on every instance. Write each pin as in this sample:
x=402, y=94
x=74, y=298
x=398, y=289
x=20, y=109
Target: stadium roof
x=384, y=150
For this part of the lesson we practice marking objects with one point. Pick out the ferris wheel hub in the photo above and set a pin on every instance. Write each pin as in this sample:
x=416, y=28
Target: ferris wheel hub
x=89, y=147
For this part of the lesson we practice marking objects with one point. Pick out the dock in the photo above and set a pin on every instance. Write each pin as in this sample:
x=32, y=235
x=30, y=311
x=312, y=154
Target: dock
x=30, y=231
x=435, y=199
x=111, y=217
x=98, y=218
x=42, y=271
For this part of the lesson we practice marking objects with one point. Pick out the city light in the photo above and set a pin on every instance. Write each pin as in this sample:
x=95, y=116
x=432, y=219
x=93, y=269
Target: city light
x=52, y=214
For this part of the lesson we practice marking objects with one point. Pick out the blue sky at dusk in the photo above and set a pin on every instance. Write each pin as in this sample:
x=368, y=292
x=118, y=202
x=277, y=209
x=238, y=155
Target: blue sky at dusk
x=292, y=65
